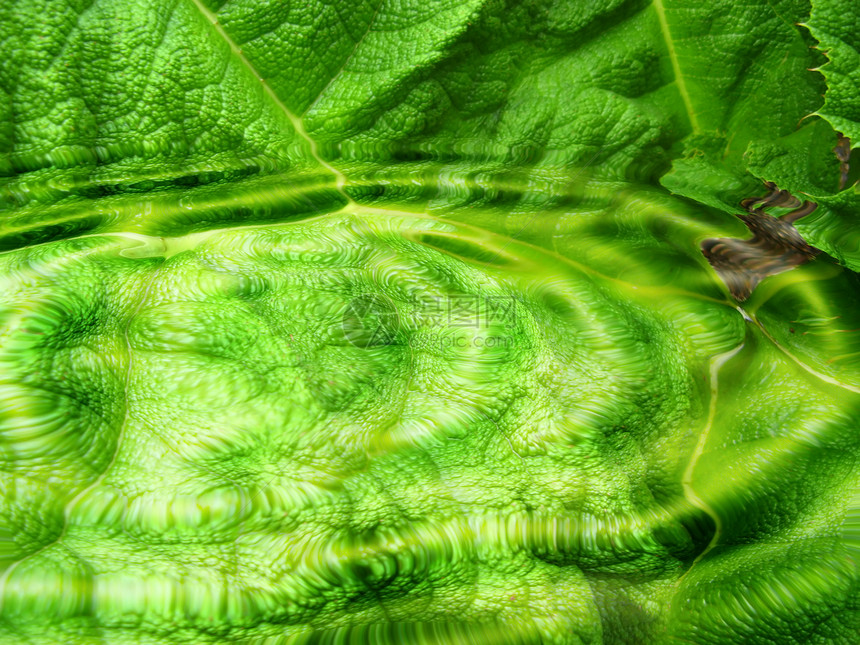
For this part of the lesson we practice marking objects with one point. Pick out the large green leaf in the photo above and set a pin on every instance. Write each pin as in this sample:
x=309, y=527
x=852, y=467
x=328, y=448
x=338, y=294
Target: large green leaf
x=834, y=24
x=388, y=322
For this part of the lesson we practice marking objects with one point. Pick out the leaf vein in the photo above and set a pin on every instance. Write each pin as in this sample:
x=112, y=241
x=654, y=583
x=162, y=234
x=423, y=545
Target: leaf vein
x=296, y=121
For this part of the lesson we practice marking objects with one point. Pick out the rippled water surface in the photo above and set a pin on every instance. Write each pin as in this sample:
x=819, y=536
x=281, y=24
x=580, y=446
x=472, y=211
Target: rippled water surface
x=522, y=412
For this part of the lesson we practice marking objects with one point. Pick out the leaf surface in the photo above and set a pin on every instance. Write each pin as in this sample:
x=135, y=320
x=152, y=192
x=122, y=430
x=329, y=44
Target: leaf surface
x=388, y=322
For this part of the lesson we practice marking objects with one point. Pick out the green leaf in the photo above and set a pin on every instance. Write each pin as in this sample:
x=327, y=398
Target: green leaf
x=388, y=322
x=833, y=24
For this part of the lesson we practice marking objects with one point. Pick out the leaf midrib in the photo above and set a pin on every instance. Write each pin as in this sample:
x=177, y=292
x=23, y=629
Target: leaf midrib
x=660, y=10
x=295, y=121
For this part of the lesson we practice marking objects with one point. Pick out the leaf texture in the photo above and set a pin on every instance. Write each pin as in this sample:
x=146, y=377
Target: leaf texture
x=388, y=322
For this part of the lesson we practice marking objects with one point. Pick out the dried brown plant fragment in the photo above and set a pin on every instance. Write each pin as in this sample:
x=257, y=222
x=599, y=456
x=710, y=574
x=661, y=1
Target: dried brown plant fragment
x=775, y=247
